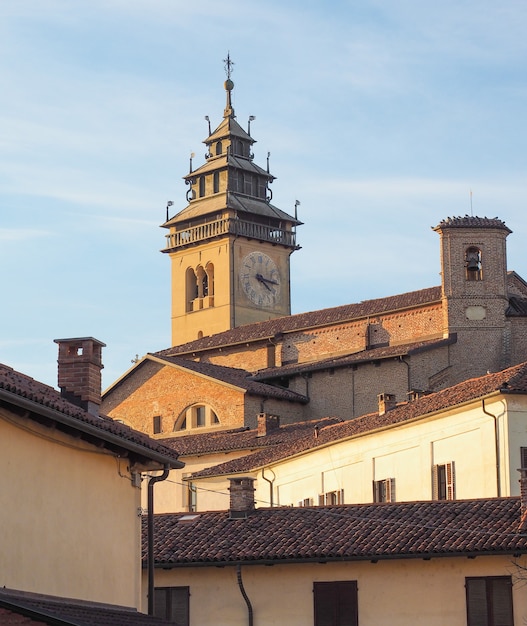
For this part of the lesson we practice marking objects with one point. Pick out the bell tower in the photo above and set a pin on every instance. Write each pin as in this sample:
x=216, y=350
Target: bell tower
x=474, y=291
x=229, y=247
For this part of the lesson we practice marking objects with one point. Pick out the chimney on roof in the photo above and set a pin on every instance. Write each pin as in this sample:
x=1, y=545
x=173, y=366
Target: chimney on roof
x=414, y=394
x=80, y=365
x=242, y=497
x=267, y=424
x=386, y=402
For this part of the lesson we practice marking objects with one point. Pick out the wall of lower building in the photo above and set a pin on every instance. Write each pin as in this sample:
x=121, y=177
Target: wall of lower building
x=173, y=495
x=69, y=516
x=406, y=453
x=390, y=593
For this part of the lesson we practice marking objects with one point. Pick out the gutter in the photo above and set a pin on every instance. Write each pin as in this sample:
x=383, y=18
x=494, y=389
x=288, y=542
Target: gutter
x=425, y=556
x=150, y=547
x=89, y=429
x=496, y=446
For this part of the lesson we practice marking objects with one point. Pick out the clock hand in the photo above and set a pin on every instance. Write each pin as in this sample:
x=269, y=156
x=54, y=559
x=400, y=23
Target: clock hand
x=264, y=282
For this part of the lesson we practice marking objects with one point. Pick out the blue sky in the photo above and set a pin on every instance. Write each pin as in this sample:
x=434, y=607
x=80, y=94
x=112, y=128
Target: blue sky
x=380, y=117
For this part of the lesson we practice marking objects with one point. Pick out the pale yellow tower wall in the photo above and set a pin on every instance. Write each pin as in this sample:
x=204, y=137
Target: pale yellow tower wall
x=226, y=305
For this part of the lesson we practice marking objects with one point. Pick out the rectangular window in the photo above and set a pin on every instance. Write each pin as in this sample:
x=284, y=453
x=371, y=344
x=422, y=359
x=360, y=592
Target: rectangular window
x=331, y=497
x=192, y=497
x=157, y=424
x=306, y=502
x=384, y=490
x=336, y=603
x=523, y=457
x=489, y=601
x=443, y=482
x=171, y=603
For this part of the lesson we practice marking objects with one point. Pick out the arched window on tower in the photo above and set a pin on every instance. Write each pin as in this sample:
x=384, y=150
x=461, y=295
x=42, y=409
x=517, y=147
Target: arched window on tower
x=473, y=267
x=219, y=148
x=209, y=269
x=191, y=288
x=203, y=282
x=201, y=186
x=216, y=182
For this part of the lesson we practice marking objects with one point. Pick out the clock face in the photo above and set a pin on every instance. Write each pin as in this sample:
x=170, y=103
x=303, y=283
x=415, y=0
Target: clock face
x=260, y=279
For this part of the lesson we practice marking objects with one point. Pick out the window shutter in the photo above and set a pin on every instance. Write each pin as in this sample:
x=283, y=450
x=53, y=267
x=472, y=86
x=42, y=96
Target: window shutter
x=336, y=603
x=451, y=481
x=489, y=601
x=435, y=482
x=523, y=453
x=376, y=491
x=391, y=495
x=501, y=595
x=476, y=590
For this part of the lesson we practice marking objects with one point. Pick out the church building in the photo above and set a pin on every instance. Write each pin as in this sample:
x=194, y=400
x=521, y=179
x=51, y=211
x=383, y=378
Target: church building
x=237, y=351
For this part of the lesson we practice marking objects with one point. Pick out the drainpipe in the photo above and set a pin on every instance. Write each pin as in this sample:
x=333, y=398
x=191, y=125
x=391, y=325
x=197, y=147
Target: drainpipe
x=150, y=556
x=306, y=380
x=408, y=381
x=244, y=594
x=497, y=446
x=270, y=485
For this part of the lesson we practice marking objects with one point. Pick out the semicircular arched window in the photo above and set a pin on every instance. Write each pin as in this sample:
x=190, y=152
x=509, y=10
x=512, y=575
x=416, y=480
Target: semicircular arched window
x=196, y=416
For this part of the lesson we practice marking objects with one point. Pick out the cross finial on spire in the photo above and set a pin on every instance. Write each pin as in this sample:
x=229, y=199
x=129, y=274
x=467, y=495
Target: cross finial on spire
x=228, y=65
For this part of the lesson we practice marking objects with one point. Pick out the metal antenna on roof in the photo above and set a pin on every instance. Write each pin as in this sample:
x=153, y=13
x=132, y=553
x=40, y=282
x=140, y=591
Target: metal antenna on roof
x=471, y=213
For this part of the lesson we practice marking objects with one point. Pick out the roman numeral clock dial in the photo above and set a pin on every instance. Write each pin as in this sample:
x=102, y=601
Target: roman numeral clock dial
x=260, y=279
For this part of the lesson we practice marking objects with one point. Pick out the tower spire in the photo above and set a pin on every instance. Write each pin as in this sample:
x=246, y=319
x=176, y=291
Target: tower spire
x=229, y=86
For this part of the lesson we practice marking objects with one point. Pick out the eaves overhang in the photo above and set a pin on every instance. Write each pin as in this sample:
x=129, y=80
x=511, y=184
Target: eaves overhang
x=373, y=557
x=90, y=432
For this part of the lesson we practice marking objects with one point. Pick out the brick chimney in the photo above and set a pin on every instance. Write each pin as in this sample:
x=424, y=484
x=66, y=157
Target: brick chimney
x=242, y=497
x=267, y=424
x=387, y=402
x=80, y=365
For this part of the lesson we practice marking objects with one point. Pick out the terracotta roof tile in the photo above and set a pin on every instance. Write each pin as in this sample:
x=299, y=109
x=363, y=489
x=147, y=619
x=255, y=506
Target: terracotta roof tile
x=55, y=610
x=472, y=221
x=291, y=323
x=15, y=387
x=345, y=532
x=375, y=354
x=511, y=380
x=244, y=438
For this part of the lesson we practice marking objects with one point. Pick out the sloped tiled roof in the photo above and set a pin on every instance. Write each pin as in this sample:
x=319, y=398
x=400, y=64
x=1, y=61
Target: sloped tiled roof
x=312, y=319
x=42, y=609
x=21, y=390
x=374, y=354
x=237, y=377
x=472, y=221
x=511, y=380
x=231, y=200
x=345, y=532
x=245, y=438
